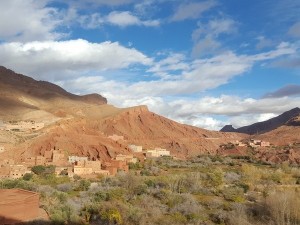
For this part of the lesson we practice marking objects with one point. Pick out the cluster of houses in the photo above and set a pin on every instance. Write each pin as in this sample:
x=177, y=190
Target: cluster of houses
x=8, y=169
x=253, y=143
x=150, y=153
x=21, y=126
x=78, y=165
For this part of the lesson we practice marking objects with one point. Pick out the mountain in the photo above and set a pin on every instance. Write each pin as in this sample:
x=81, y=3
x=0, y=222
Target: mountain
x=82, y=125
x=228, y=128
x=290, y=117
x=21, y=95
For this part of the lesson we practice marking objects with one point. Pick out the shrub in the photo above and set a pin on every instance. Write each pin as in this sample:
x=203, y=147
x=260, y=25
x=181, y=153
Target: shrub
x=284, y=207
x=234, y=194
x=66, y=187
x=43, y=170
x=111, y=216
x=27, y=176
x=83, y=185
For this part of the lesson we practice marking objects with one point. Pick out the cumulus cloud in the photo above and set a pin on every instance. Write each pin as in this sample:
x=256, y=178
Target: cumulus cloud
x=126, y=18
x=288, y=90
x=192, y=10
x=84, y=67
x=28, y=20
x=248, y=119
x=202, y=112
x=78, y=56
x=74, y=56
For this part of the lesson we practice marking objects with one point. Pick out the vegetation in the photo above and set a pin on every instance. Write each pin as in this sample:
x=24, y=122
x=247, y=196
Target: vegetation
x=203, y=190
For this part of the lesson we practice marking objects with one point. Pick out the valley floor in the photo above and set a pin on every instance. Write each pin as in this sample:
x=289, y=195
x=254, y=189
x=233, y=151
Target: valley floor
x=202, y=190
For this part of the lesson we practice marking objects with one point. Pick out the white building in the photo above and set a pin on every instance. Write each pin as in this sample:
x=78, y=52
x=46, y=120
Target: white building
x=157, y=152
x=74, y=158
x=135, y=148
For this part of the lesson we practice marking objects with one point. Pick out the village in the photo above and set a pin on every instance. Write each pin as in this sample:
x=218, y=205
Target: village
x=71, y=165
x=68, y=164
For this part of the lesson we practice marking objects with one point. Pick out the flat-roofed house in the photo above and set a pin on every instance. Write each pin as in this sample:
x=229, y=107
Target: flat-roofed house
x=17, y=171
x=126, y=158
x=135, y=148
x=157, y=152
x=74, y=158
x=18, y=205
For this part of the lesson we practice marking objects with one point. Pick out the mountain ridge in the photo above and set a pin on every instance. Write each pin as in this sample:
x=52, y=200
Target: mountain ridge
x=265, y=126
x=83, y=125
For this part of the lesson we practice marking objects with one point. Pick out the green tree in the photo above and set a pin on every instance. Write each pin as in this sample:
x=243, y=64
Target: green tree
x=27, y=176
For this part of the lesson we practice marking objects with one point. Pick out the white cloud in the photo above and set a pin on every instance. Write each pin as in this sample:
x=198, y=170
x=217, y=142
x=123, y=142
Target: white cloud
x=117, y=18
x=248, y=119
x=192, y=10
x=284, y=48
x=92, y=21
x=122, y=18
x=84, y=67
x=28, y=20
x=205, y=37
x=203, y=112
x=176, y=74
x=73, y=56
x=126, y=18
x=97, y=3
x=173, y=63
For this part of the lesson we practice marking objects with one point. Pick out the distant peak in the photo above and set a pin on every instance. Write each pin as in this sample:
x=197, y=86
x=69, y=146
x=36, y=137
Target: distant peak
x=228, y=128
x=94, y=98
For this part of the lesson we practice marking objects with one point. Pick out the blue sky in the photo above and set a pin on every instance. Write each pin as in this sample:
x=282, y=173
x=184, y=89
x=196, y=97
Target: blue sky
x=205, y=63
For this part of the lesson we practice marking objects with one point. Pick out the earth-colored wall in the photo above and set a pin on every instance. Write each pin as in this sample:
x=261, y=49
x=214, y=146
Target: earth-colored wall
x=22, y=206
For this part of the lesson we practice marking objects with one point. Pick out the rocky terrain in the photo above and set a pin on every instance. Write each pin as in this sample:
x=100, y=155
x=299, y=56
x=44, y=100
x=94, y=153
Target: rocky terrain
x=82, y=125
x=289, y=118
x=283, y=132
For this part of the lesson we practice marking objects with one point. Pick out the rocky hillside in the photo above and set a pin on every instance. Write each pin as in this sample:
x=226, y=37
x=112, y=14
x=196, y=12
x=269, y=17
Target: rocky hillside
x=290, y=118
x=82, y=125
x=21, y=95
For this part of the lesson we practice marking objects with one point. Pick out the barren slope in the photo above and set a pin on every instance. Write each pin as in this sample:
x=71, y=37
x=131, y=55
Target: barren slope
x=81, y=125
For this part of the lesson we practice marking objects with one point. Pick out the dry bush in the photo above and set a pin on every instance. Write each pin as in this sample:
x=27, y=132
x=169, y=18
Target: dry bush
x=239, y=215
x=284, y=207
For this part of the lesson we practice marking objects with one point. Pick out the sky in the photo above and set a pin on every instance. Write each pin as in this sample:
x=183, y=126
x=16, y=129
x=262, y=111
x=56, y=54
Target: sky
x=206, y=63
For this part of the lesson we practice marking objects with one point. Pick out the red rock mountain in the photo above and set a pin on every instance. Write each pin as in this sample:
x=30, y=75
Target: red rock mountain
x=82, y=125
